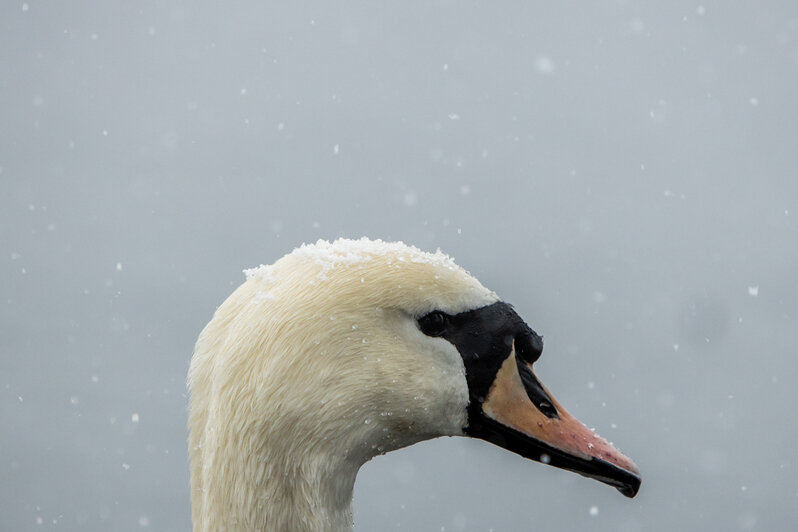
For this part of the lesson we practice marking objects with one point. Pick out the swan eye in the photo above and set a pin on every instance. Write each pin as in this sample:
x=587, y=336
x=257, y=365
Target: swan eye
x=433, y=324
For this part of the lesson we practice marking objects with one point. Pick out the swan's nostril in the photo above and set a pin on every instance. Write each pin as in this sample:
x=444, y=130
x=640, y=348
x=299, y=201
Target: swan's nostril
x=547, y=409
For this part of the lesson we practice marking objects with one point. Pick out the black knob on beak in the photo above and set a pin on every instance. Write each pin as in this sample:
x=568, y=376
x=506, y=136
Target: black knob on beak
x=528, y=345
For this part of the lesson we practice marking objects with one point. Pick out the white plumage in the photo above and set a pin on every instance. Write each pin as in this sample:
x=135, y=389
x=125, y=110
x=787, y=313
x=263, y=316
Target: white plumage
x=313, y=366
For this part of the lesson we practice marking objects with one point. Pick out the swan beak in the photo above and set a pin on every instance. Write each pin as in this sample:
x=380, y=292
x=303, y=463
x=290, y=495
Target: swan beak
x=520, y=415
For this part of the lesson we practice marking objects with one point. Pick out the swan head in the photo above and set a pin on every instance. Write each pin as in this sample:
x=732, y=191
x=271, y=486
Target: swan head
x=354, y=348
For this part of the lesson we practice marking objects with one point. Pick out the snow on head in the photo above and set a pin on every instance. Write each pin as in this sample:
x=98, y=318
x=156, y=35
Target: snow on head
x=347, y=252
x=381, y=273
x=264, y=271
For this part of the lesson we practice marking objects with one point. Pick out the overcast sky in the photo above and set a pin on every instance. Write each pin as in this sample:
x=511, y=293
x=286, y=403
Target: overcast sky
x=625, y=173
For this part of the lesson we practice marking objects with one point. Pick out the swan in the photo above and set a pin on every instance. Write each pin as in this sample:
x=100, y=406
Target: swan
x=342, y=351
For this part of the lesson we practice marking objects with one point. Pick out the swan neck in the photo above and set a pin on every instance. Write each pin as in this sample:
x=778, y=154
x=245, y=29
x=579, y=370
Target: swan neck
x=292, y=491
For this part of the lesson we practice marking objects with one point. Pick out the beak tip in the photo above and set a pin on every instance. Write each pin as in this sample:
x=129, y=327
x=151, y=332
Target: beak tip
x=627, y=480
x=631, y=488
x=627, y=477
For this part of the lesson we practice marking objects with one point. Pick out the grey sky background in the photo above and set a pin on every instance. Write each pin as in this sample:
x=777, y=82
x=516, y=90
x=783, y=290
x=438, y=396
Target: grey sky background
x=624, y=172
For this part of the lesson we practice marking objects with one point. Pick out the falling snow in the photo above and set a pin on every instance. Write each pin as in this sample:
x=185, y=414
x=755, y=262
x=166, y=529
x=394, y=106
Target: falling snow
x=544, y=65
x=622, y=175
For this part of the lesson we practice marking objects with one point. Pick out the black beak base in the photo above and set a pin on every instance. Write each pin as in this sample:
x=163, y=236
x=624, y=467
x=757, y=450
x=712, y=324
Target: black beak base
x=485, y=338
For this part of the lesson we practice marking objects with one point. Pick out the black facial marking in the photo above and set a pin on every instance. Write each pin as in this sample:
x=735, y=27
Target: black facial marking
x=529, y=346
x=535, y=391
x=485, y=337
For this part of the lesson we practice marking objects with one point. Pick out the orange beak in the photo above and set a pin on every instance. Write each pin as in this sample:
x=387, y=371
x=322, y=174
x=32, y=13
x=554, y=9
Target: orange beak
x=519, y=414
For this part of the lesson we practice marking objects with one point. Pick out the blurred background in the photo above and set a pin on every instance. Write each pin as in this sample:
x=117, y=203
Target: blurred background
x=624, y=172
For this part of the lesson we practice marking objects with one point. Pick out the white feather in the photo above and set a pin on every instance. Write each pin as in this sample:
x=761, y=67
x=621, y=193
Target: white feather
x=312, y=367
